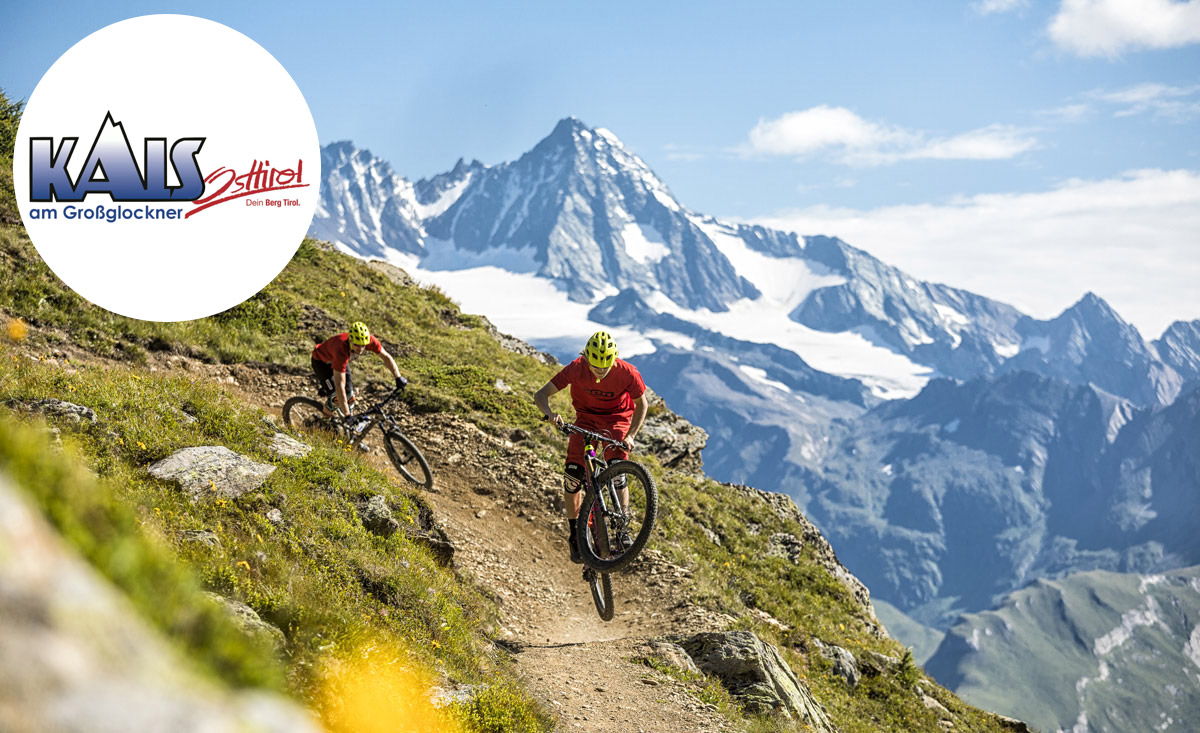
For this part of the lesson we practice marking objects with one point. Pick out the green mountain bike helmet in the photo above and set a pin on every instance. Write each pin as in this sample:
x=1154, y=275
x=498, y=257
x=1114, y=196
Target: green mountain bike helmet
x=359, y=334
x=601, y=350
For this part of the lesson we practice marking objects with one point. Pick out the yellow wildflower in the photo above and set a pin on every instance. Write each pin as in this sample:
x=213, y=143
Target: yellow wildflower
x=17, y=330
x=243, y=564
x=141, y=445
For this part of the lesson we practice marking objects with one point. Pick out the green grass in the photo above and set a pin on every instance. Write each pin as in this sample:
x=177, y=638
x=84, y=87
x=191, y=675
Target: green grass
x=329, y=584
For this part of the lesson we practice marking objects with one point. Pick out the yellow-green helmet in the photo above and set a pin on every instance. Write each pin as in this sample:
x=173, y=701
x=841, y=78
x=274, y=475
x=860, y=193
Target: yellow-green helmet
x=359, y=334
x=601, y=350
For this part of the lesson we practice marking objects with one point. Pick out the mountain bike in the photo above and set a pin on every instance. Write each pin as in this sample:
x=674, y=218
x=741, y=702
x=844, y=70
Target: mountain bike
x=308, y=414
x=620, y=502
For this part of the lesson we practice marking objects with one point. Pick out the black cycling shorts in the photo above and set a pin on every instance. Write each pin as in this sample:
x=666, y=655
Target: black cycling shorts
x=325, y=383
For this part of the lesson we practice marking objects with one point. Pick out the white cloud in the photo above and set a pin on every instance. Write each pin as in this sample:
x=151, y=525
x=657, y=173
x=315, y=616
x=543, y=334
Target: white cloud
x=1068, y=113
x=857, y=141
x=800, y=133
x=995, y=142
x=1178, y=104
x=1108, y=27
x=1130, y=239
x=987, y=7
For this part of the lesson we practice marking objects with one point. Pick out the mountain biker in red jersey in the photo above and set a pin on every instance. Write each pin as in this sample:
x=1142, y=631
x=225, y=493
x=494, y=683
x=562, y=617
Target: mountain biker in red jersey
x=331, y=363
x=608, y=395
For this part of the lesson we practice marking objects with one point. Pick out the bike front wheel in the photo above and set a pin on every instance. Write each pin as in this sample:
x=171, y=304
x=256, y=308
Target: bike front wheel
x=625, y=524
x=407, y=459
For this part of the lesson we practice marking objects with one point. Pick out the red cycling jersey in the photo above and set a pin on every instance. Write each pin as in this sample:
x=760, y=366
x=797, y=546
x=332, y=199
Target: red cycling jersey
x=612, y=396
x=336, y=351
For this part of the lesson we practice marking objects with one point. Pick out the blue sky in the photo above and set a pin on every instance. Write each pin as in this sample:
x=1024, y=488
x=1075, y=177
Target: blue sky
x=931, y=134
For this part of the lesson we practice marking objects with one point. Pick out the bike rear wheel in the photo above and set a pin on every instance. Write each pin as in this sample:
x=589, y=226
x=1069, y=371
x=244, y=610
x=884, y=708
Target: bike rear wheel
x=407, y=459
x=636, y=524
x=602, y=596
x=305, y=413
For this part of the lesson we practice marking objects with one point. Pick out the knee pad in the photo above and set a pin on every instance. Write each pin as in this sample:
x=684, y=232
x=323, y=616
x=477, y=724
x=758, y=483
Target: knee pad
x=573, y=481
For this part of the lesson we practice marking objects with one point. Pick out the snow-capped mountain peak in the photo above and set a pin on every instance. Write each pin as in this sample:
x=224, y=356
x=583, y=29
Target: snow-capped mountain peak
x=365, y=206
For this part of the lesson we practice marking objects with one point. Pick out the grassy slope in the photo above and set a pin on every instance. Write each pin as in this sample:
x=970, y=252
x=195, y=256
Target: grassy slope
x=454, y=365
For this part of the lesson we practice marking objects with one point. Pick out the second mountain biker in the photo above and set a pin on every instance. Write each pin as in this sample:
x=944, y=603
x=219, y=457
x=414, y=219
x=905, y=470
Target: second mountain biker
x=331, y=363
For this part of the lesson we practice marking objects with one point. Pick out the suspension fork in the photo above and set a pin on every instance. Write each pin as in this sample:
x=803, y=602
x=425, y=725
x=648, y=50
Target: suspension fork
x=593, y=473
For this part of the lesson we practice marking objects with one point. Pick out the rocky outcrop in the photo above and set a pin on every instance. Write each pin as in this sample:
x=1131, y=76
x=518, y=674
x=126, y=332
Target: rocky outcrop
x=393, y=273
x=756, y=676
x=675, y=441
x=74, y=659
x=212, y=470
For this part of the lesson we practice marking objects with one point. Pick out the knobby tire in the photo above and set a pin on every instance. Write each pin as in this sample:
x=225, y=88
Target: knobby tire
x=601, y=582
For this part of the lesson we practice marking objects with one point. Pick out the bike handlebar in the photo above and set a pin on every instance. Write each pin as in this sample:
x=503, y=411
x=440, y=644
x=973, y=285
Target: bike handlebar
x=569, y=428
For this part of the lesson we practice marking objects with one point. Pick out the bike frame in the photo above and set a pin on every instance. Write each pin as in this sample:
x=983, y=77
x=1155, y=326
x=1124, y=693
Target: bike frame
x=375, y=415
x=597, y=464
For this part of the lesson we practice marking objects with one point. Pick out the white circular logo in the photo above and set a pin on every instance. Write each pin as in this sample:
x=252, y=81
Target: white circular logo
x=167, y=167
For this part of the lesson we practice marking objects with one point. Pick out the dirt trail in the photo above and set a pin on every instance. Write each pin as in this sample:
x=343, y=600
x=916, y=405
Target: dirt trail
x=501, y=508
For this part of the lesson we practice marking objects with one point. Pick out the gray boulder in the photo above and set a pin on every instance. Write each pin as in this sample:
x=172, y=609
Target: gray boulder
x=65, y=410
x=249, y=621
x=287, y=447
x=670, y=654
x=756, y=676
x=844, y=663
x=74, y=658
x=212, y=470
